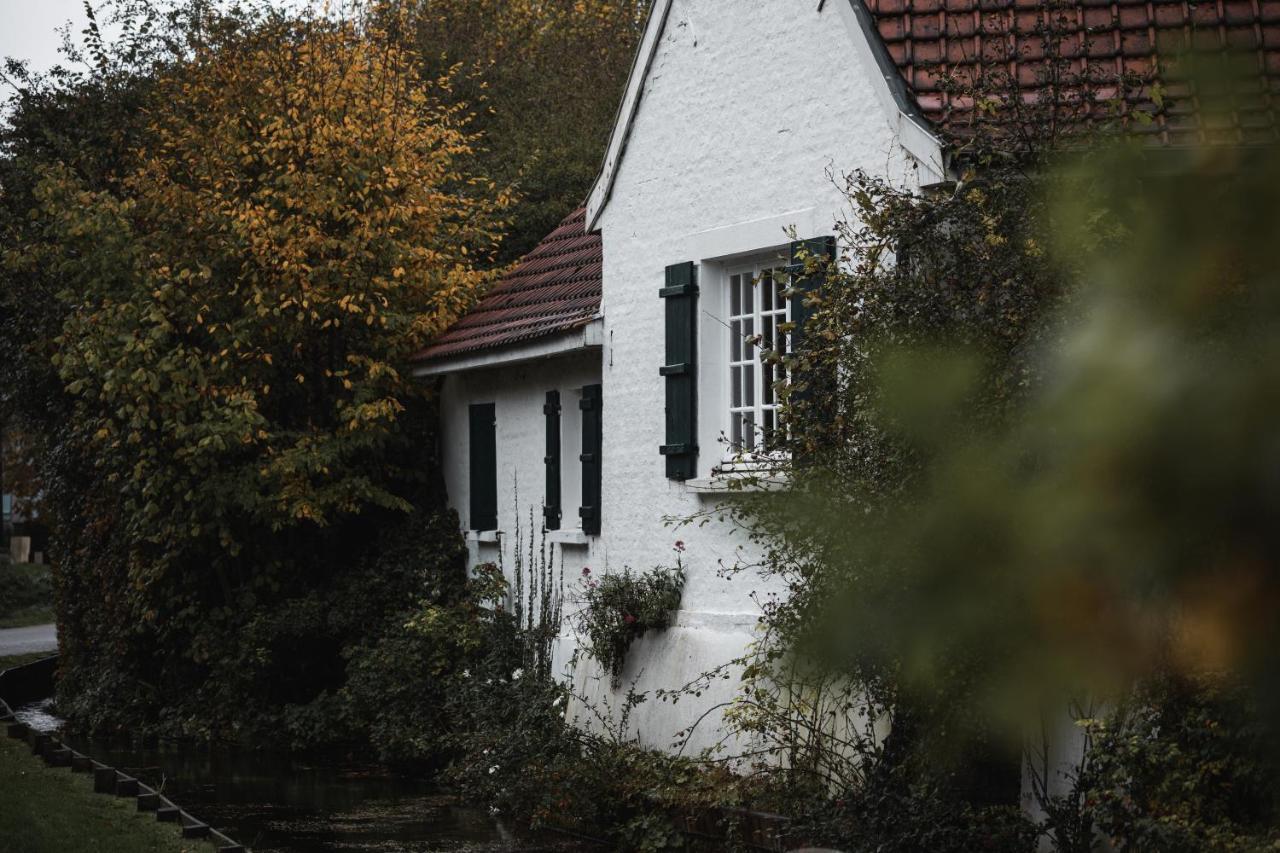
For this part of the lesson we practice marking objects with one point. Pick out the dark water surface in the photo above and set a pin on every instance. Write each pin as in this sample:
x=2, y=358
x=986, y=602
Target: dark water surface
x=277, y=803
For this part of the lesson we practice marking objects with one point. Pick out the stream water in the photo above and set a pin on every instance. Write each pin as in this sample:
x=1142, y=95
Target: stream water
x=277, y=803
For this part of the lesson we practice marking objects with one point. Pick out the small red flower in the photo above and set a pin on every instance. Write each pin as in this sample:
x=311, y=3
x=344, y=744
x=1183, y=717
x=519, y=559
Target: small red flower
x=679, y=544
x=629, y=619
x=585, y=571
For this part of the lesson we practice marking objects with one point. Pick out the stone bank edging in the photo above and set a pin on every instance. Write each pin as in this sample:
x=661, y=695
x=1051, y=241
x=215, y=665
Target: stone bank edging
x=106, y=779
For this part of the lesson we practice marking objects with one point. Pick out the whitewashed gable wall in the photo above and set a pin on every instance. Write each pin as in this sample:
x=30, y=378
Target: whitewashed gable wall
x=752, y=111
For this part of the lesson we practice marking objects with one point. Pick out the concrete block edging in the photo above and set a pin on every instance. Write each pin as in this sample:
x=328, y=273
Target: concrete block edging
x=107, y=780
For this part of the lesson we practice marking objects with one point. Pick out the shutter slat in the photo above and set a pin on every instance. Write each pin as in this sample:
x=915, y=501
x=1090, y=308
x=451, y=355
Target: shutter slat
x=592, y=438
x=680, y=296
x=551, y=509
x=483, y=467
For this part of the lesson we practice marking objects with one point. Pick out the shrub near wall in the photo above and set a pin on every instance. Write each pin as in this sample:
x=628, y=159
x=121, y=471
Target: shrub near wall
x=620, y=607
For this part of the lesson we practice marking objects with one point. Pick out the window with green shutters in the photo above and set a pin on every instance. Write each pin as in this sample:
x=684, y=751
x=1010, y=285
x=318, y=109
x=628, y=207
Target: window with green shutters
x=592, y=440
x=483, y=452
x=757, y=308
x=679, y=371
x=551, y=506
x=764, y=297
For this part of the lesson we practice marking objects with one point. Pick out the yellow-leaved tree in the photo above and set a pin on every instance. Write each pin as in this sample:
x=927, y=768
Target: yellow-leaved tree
x=238, y=307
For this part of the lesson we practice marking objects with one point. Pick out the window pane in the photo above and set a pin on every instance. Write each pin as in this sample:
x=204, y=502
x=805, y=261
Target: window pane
x=748, y=331
x=749, y=384
x=735, y=341
x=748, y=429
x=735, y=300
x=735, y=431
x=766, y=384
x=748, y=291
x=779, y=285
x=735, y=382
x=766, y=328
x=768, y=425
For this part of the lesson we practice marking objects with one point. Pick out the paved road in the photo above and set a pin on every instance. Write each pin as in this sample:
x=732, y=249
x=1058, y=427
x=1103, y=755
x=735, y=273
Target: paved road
x=21, y=641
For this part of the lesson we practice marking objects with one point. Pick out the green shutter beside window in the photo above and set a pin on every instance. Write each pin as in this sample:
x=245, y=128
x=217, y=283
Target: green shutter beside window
x=484, y=467
x=592, y=439
x=802, y=283
x=551, y=508
x=680, y=371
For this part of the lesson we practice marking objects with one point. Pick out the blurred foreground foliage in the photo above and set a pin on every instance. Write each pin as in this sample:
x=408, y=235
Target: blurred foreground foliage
x=1033, y=476
x=1085, y=496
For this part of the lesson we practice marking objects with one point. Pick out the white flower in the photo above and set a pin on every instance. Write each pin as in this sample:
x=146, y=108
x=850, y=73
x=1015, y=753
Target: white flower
x=466, y=673
x=515, y=676
x=493, y=769
x=555, y=703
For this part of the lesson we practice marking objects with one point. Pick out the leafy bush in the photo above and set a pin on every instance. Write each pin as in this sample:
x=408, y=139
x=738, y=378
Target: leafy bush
x=401, y=687
x=1186, y=764
x=620, y=607
x=24, y=586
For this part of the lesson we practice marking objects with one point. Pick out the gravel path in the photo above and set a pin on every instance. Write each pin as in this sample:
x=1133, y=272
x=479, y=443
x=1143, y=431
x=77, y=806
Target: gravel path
x=21, y=641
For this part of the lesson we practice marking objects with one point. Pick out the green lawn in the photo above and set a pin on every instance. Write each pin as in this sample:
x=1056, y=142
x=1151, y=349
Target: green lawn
x=26, y=595
x=52, y=810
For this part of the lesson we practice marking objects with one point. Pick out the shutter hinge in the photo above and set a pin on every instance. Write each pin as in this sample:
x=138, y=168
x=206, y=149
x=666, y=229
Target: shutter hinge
x=678, y=290
x=677, y=449
x=675, y=369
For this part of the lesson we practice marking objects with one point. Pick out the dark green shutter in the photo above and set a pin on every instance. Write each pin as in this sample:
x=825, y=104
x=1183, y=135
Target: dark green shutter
x=551, y=509
x=819, y=248
x=680, y=371
x=484, y=467
x=592, y=438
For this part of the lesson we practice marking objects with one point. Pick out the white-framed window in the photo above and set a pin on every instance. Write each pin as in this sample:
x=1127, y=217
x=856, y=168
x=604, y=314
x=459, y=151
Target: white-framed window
x=756, y=306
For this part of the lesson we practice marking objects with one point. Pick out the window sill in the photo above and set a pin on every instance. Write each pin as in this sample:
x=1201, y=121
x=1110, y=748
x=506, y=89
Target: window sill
x=487, y=537
x=569, y=538
x=738, y=482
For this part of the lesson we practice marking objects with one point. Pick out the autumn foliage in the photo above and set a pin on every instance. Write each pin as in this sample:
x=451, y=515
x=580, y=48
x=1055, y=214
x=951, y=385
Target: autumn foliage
x=223, y=243
x=241, y=304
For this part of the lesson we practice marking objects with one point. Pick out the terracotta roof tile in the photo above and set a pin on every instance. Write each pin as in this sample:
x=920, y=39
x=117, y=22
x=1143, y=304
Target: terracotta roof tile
x=553, y=289
x=1110, y=40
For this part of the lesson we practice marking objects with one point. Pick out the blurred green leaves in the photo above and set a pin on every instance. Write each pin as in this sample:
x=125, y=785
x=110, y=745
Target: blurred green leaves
x=1121, y=516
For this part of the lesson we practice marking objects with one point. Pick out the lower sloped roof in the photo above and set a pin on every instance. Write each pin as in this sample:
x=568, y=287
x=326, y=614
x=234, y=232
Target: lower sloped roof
x=553, y=289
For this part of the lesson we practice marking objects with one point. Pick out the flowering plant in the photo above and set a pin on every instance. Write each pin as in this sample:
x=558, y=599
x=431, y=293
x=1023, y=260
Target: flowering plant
x=619, y=607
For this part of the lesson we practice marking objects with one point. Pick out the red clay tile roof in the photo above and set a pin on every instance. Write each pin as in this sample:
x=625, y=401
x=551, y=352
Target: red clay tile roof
x=555, y=288
x=1136, y=39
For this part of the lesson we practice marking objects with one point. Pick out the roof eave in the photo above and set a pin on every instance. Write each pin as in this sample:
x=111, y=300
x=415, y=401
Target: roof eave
x=585, y=338
x=910, y=126
x=627, y=109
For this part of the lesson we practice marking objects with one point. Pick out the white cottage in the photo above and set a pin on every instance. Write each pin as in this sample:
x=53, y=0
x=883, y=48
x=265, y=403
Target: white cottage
x=604, y=385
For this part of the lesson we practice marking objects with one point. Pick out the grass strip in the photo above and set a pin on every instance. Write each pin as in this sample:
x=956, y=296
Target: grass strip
x=52, y=810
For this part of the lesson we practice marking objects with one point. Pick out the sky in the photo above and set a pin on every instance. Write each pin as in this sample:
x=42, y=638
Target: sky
x=28, y=28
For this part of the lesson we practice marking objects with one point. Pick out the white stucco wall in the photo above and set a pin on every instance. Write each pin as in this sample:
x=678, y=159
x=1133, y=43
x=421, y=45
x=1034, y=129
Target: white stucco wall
x=753, y=108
